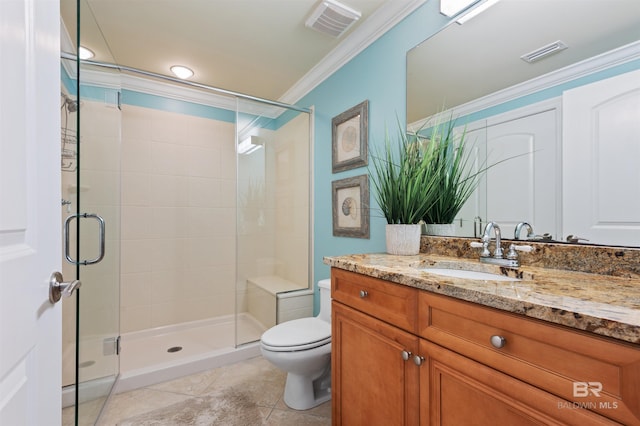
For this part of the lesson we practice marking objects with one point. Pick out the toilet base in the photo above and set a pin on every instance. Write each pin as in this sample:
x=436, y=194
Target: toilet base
x=303, y=393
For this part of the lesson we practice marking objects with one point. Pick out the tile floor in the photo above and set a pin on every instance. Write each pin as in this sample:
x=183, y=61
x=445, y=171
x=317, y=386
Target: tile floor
x=244, y=394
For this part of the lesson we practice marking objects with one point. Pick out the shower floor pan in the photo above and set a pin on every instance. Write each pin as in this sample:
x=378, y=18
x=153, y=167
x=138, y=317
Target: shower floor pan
x=153, y=356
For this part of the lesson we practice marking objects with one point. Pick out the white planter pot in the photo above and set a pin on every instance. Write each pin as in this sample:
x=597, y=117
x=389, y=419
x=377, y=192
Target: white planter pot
x=403, y=239
x=441, y=229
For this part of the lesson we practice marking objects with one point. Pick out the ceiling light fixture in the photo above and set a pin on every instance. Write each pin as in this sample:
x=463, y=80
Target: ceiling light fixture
x=332, y=18
x=451, y=8
x=181, y=71
x=475, y=11
x=84, y=53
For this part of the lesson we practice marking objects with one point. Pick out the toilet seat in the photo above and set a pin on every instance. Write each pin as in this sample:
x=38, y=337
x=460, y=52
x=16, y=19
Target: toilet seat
x=297, y=335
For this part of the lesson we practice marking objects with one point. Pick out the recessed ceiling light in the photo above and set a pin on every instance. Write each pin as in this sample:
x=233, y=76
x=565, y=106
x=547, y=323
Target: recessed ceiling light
x=85, y=53
x=181, y=72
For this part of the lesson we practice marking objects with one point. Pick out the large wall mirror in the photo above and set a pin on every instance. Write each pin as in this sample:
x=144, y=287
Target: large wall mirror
x=465, y=63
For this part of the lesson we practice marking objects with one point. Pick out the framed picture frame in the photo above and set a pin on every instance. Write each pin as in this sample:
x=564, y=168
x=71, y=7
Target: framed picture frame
x=350, y=138
x=350, y=205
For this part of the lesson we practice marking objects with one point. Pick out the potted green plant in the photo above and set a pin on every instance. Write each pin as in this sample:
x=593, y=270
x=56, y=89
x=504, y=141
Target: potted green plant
x=403, y=189
x=454, y=173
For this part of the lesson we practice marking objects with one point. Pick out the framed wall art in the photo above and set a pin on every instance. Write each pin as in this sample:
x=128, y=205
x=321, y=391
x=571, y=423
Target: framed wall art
x=350, y=137
x=350, y=201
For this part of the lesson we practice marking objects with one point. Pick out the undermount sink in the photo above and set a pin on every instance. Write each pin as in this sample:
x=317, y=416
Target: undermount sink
x=469, y=270
x=469, y=275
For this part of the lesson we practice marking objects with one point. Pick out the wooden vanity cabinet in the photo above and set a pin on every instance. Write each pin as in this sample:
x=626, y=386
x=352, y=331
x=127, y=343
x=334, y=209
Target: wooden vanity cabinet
x=374, y=378
x=436, y=365
x=455, y=390
x=372, y=384
x=596, y=373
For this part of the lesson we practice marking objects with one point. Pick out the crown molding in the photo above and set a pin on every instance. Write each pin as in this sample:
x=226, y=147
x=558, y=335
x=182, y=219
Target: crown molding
x=177, y=92
x=615, y=57
x=174, y=91
x=385, y=18
x=194, y=95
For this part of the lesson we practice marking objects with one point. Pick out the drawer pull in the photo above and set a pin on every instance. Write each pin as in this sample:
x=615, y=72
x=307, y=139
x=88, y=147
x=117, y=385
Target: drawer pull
x=406, y=355
x=363, y=294
x=417, y=360
x=498, y=341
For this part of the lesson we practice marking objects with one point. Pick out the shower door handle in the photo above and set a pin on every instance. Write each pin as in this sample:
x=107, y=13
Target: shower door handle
x=67, y=253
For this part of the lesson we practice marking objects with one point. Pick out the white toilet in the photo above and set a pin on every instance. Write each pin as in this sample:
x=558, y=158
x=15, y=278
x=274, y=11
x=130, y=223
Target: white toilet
x=302, y=348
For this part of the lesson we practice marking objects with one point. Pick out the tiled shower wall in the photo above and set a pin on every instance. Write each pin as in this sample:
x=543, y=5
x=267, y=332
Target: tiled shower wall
x=178, y=218
x=274, y=232
x=292, y=183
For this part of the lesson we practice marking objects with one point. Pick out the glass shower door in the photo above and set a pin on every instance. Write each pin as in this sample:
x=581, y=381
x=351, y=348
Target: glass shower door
x=97, y=238
x=273, y=217
x=92, y=229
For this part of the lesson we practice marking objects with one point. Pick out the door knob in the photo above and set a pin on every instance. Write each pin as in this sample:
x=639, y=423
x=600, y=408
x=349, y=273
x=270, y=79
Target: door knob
x=58, y=288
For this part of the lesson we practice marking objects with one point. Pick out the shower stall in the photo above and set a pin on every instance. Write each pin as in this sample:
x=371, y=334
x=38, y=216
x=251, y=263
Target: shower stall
x=214, y=232
x=205, y=199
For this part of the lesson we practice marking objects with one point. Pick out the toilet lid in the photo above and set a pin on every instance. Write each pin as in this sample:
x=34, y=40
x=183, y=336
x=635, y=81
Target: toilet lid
x=298, y=334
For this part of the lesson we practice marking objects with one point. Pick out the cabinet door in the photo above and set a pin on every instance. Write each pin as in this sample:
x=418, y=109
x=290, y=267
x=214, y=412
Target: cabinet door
x=372, y=383
x=459, y=391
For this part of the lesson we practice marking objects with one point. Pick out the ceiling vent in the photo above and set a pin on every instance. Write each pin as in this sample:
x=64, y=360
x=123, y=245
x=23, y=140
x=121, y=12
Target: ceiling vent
x=332, y=18
x=544, y=51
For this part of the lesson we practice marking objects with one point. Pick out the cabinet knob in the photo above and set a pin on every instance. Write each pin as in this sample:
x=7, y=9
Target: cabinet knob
x=417, y=360
x=498, y=341
x=406, y=355
x=363, y=294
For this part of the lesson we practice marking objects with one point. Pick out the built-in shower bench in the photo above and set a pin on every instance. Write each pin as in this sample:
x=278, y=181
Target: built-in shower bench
x=272, y=300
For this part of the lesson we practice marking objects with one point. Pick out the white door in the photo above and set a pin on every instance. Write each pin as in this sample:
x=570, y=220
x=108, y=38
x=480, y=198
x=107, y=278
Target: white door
x=601, y=158
x=522, y=183
x=30, y=326
x=472, y=216
x=526, y=186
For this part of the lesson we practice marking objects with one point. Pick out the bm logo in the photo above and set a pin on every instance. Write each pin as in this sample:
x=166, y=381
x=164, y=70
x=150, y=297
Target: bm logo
x=583, y=389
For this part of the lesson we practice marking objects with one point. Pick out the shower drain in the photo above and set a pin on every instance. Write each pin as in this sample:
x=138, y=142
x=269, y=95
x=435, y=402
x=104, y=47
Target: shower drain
x=174, y=349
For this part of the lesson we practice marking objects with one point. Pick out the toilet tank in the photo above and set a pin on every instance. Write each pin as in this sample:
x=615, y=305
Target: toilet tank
x=325, y=300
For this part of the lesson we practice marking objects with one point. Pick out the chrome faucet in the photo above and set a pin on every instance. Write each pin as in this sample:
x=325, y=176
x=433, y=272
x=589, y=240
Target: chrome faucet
x=486, y=239
x=497, y=259
x=516, y=234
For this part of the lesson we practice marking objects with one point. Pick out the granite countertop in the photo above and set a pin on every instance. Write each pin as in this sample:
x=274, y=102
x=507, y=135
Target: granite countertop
x=602, y=304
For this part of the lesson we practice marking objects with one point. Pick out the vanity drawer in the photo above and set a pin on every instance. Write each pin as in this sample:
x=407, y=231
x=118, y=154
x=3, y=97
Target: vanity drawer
x=596, y=373
x=393, y=303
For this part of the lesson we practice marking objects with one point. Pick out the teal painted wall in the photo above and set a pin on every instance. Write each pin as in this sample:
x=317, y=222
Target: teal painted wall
x=377, y=74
